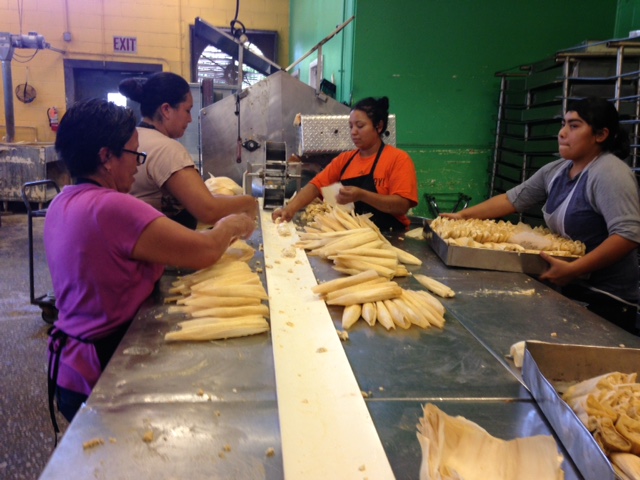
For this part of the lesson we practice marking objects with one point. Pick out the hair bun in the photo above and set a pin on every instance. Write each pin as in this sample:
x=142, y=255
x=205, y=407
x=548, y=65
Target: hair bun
x=133, y=88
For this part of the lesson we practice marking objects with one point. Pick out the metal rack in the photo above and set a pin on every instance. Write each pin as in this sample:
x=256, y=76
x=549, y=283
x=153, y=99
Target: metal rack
x=46, y=302
x=534, y=97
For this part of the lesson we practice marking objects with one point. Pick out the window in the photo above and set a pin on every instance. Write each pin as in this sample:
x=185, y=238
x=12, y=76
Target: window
x=223, y=70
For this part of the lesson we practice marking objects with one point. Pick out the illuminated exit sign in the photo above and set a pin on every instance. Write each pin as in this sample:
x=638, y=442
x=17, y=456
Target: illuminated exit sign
x=125, y=45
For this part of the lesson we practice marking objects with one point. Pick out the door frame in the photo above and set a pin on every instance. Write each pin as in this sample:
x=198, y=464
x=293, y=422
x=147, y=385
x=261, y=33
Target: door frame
x=71, y=65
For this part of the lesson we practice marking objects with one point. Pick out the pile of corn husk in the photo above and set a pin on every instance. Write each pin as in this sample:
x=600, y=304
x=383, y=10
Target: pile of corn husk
x=354, y=244
x=222, y=301
x=373, y=298
x=506, y=236
x=454, y=448
x=357, y=248
x=609, y=406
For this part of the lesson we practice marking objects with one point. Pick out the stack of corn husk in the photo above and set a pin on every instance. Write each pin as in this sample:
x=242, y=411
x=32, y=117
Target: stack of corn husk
x=609, y=406
x=223, y=186
x=501, y=235
x=354, y=244
x=222, y=301
x=457, y=448
x=373, y=298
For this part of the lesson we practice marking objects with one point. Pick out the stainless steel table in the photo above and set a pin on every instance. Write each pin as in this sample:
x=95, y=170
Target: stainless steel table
x=209, y=410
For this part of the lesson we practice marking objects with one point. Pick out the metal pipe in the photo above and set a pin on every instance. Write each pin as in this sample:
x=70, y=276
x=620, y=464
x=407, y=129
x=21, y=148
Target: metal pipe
x=240, y=66
x=8, y=101
x=618, y=85
x=320, y=43
x=319, y=70
x=496, y=145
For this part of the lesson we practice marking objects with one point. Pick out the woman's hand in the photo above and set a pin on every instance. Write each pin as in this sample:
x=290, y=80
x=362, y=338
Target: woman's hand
x=241, y=224
x=254, y=209
x=282, y=214
x=348, y=195
x=612, y=250
x=560, y=272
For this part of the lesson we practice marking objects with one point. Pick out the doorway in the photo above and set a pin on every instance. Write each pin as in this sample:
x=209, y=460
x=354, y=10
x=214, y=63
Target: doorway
x=85, y=79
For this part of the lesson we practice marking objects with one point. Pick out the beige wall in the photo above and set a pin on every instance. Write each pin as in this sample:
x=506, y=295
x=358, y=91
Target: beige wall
x=160, y=26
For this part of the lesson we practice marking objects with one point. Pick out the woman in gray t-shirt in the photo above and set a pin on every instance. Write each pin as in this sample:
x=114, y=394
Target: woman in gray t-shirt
x=592, y=196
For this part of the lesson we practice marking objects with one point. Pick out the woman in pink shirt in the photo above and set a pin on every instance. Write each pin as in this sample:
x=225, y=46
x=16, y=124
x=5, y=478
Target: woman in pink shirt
x=106, y=249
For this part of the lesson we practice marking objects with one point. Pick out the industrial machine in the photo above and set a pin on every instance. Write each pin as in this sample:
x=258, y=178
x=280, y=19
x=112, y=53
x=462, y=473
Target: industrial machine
x=254, y=136
x=276, y=173
x=287, y=134
x=266, y=114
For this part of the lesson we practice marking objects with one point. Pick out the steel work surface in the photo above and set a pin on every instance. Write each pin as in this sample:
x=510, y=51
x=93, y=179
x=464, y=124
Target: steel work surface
x=422, y=364
x=212, y=407
x=495, y=308
x=396, y=424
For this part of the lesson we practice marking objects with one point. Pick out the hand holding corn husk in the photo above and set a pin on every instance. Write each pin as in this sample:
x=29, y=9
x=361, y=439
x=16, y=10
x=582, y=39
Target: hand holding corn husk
x=456, y=448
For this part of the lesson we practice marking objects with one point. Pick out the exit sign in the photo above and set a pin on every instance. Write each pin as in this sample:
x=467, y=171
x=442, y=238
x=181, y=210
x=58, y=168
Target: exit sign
x=125, y=44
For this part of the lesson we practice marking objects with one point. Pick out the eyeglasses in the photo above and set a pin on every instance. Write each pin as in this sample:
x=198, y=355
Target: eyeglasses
x=141, y=157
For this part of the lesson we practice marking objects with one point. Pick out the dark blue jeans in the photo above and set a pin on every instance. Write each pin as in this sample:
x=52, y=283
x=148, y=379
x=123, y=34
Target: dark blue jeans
x=69, y=402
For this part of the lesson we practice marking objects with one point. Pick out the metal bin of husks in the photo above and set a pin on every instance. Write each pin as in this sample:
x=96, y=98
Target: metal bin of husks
x=549, y=368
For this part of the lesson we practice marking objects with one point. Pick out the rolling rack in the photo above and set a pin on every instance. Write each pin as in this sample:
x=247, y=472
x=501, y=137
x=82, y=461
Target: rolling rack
x=534, y=97
x=46, y=302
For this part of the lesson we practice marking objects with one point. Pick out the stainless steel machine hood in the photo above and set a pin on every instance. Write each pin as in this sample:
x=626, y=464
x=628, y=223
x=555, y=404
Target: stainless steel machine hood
x=267, y=111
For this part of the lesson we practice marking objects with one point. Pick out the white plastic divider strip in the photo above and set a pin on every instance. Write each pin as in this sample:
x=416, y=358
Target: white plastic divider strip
x=326, y=429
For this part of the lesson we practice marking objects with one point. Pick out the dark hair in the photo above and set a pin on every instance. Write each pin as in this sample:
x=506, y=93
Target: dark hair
x=159, y=88
x=376, y=109
x=88, y=126
x=599, y=113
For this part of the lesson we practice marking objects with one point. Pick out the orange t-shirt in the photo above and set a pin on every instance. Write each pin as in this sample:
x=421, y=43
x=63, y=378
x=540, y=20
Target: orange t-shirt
x=395, y=174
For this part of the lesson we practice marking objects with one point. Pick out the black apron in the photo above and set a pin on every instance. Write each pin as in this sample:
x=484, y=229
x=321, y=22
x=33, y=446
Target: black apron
x=105, y=348
x=384, y=221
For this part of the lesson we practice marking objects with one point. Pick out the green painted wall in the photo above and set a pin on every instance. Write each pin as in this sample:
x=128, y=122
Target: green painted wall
x=627, y=18
x=436, y=61
x=311, y=22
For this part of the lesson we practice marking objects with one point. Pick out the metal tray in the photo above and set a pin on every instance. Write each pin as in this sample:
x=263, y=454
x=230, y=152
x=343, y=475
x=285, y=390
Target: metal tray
x=548, y=366
x=486, y=259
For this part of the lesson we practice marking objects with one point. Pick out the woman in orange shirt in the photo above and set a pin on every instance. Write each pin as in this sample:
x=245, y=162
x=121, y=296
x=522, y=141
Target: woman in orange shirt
x=379, y=179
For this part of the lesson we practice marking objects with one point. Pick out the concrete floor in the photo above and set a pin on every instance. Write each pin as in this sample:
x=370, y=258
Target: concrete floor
x=26, y=434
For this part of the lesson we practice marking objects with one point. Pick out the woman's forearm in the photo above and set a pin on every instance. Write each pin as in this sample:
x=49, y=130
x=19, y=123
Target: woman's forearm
x=187, y=187
x=612, y=250
x=167, y=242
